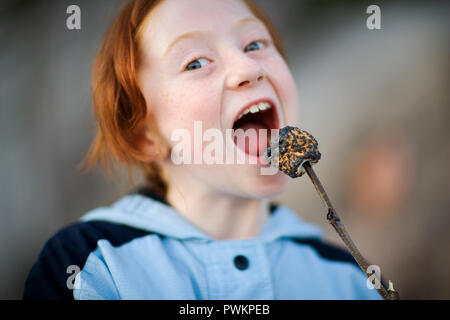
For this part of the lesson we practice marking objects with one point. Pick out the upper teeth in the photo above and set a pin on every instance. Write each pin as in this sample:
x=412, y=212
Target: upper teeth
x=256, y=108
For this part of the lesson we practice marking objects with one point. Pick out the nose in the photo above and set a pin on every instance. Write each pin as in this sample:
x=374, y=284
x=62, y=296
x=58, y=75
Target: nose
x=244, y=72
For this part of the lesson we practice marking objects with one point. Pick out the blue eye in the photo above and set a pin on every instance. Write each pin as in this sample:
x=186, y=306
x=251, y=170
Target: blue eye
x=196, y=64
x=253, y=46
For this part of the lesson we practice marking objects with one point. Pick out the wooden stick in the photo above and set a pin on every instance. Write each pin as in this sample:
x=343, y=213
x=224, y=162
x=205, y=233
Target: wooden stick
x=334, y=220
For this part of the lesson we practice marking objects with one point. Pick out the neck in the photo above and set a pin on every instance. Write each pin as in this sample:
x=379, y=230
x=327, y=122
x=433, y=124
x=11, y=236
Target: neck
x=221, y=216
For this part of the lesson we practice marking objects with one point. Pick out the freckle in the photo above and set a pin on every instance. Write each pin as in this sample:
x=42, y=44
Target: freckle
x=167, y=98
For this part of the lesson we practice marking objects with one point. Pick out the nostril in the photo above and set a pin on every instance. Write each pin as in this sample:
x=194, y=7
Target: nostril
x=247, y=82
x=244, y=83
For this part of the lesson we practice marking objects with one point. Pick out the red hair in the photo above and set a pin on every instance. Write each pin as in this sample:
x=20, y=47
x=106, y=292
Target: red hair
x=119, y=104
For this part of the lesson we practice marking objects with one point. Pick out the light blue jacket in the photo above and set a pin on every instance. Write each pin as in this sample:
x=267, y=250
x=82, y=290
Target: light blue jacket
x=141, y=248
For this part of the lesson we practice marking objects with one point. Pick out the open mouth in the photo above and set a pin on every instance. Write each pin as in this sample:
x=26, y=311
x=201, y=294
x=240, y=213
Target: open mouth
x=257, y=116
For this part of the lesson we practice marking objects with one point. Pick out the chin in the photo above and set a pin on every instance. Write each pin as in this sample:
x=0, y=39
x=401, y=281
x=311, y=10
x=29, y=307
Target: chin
x=265, y=186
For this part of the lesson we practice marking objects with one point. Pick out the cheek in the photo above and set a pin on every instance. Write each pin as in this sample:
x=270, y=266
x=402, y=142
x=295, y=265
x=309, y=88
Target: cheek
x=286, y=90
x=180, y=105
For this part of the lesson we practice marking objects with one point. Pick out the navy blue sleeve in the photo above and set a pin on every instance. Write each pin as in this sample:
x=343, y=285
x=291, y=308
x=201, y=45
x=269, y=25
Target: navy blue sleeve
x=48, y=278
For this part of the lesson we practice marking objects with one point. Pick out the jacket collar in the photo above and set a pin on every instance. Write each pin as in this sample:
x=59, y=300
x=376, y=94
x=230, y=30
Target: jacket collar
x=151, y=213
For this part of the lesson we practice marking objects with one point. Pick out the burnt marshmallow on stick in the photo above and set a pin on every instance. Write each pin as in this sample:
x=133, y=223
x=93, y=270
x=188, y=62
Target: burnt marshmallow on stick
x=293, y=152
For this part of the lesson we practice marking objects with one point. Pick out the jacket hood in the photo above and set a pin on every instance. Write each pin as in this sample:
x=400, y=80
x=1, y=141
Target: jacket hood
x=152, y=214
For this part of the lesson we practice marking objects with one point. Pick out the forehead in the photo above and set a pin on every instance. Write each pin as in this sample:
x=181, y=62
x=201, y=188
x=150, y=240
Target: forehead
x=172, y=18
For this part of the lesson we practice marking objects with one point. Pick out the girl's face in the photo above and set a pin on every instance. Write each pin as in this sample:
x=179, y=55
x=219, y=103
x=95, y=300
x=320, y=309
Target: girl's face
x=207, y=61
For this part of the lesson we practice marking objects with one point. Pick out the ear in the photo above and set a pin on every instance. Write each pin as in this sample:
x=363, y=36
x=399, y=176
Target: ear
x=150, y=143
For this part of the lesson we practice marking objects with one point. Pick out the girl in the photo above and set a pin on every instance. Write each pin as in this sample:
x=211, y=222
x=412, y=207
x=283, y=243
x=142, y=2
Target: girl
x=199, y=230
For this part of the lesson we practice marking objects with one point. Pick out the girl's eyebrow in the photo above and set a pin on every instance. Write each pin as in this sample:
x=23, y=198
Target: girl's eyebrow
x=193, y=34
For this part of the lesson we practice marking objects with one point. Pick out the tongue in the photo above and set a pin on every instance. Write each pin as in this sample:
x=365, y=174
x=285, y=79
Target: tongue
x=249, y=145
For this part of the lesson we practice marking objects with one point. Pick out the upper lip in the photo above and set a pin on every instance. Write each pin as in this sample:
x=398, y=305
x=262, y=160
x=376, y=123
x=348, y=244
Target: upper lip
x=274, y=106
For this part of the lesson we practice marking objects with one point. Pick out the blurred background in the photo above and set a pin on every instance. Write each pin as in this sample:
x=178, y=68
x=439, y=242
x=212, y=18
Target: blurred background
x=376, y=100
